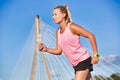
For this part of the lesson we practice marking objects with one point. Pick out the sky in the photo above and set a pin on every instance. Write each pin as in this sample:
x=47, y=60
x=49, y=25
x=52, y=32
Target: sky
x=101, y=17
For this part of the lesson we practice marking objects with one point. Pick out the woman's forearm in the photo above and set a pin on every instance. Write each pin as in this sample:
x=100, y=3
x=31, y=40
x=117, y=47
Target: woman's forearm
x=93, y=43
x=53, y=51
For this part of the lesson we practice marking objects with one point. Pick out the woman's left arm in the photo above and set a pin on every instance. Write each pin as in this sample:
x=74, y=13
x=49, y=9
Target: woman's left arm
x=78, y=30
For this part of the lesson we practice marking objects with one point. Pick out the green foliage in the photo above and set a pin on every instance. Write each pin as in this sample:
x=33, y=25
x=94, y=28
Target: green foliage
x=114, y=76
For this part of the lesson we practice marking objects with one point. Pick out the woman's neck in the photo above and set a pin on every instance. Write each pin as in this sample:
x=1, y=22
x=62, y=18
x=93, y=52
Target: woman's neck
x=63, y=25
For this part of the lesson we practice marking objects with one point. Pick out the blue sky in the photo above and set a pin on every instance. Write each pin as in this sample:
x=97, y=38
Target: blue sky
x=101, y=17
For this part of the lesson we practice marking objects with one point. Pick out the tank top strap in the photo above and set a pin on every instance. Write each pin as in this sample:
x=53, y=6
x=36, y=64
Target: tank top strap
x=68, y=25
x=58, y=31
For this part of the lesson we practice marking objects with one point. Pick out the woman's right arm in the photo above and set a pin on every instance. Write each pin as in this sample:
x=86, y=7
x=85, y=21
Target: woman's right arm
x=56, y=51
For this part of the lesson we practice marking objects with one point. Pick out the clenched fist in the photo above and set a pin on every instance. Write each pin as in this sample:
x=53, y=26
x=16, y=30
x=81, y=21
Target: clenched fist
x=42, y=47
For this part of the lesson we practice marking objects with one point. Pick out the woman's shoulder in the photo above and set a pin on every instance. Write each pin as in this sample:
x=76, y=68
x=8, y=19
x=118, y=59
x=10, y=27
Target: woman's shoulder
x=57, y=30
x=73, y=25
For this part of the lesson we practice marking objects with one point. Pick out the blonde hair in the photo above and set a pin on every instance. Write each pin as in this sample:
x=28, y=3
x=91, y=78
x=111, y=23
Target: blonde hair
x=69, y=14
x=65, y=9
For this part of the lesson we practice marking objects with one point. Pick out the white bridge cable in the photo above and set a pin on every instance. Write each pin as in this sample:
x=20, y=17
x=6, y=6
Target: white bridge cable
x=44, y=37
x=98, y=76
x=21, y=70
x=109, y=69
x=99, y=70
x=50, y=58
x=50, y=62
x=113, y=65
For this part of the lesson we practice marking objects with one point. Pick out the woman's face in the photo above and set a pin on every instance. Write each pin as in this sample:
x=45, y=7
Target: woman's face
x=58, y=16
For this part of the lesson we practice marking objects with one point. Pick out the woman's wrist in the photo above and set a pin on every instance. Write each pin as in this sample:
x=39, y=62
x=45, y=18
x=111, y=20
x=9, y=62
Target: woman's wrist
x=47, y=49
x=96, y=55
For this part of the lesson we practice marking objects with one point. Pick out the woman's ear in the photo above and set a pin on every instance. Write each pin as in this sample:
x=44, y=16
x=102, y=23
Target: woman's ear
x=64, y=15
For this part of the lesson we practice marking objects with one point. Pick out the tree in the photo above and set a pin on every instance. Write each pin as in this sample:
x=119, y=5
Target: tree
x=115, y=76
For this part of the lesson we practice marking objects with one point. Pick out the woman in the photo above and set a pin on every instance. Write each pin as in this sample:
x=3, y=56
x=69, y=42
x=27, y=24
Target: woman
x=68, y=42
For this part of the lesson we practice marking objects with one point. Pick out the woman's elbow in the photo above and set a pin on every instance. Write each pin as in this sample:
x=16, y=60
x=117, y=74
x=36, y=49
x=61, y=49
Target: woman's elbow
x=59, y=53
x=92, y=36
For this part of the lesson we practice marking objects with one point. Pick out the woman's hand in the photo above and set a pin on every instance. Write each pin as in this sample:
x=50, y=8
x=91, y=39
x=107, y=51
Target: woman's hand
x=94, y=60
x=42, y=47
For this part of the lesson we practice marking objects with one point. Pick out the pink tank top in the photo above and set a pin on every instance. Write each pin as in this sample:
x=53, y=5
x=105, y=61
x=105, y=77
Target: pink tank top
x=71, y=47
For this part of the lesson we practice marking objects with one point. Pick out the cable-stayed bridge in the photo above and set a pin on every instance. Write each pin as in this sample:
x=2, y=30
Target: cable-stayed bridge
x=36, y=65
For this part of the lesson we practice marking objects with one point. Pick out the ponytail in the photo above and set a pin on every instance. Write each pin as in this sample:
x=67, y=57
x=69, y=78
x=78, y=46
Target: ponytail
x=69, y=18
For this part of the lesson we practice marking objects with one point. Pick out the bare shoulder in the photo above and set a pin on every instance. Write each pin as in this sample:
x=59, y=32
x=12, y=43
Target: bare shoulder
x=57, y=31
x=75, y=28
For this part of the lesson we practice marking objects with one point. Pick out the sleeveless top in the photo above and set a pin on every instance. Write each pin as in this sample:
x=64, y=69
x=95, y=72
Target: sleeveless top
x=71, y=46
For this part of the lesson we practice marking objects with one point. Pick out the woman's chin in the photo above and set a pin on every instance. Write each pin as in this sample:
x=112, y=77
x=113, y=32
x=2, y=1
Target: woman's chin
x=56, y=22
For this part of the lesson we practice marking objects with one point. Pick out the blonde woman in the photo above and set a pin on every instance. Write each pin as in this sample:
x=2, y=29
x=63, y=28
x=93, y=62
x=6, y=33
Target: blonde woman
x=68, y=42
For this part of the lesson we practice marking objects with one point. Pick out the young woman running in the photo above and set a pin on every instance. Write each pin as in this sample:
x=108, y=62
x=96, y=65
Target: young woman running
x=68, y=42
